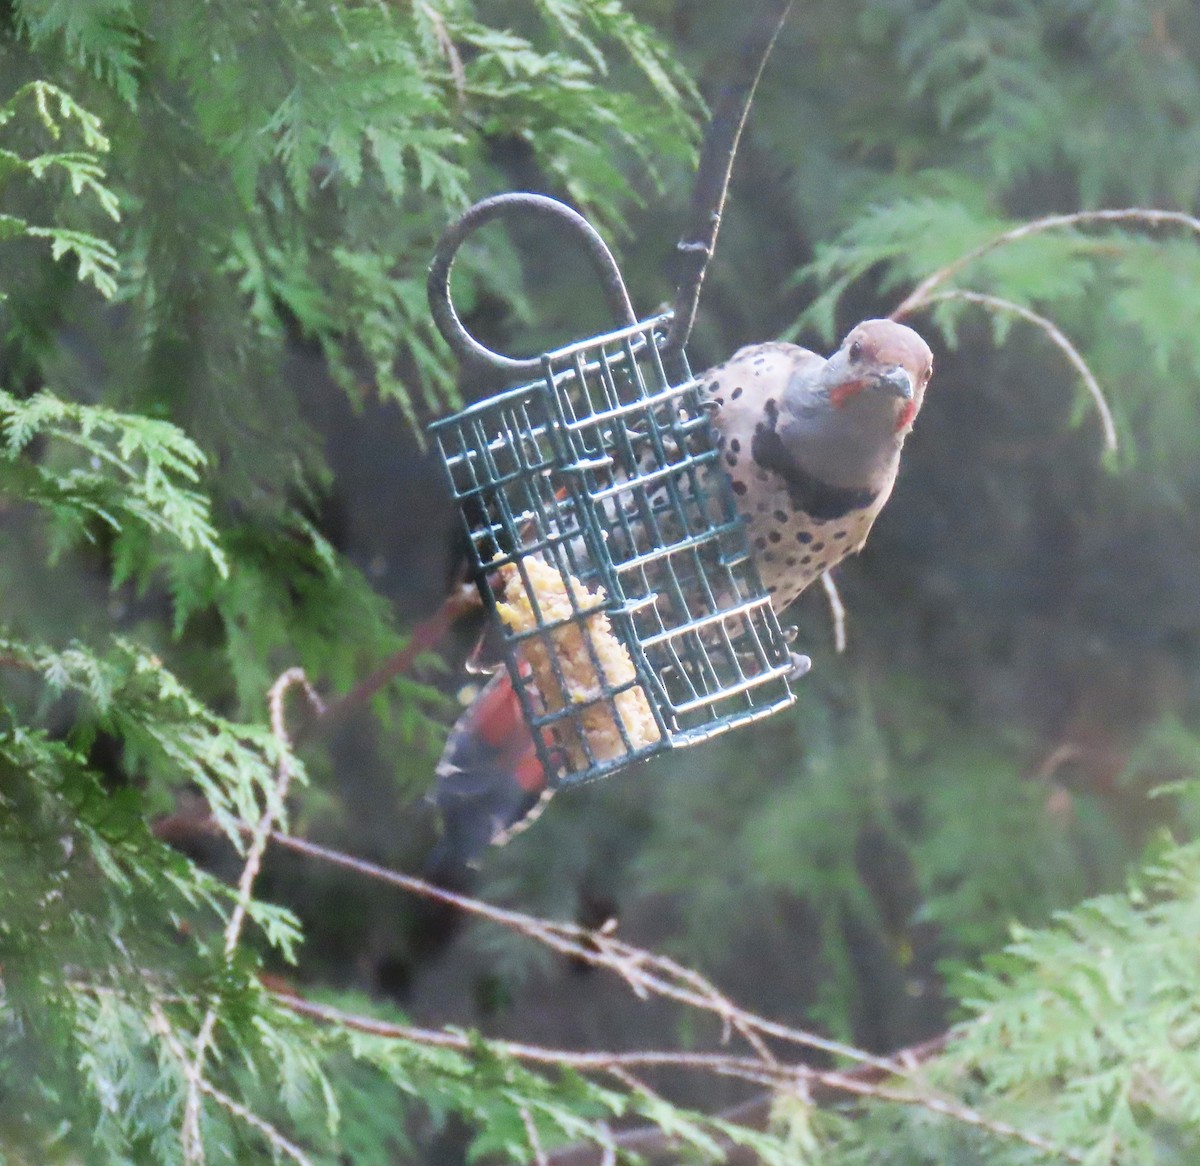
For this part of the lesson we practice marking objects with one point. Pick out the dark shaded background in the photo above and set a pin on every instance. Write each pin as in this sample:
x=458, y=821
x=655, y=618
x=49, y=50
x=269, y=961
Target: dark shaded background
x=1023, y=659
x=1022, y=663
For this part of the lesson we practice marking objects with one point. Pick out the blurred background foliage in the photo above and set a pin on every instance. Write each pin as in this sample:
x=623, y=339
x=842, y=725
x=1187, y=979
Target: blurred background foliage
x=1022, y=660
x=1023, y=667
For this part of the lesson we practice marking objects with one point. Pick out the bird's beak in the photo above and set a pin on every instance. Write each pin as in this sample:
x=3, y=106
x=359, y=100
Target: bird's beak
x=896, y=380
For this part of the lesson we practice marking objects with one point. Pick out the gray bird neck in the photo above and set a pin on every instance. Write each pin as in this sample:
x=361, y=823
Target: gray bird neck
x=853, y=445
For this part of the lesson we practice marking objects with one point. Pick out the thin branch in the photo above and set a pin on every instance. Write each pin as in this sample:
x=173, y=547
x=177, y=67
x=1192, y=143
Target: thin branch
x=608, y=1155
x=741, y=1068
x=837, y=612
x=643, y=1143
x=268, y=1131
x=646, y=973
x=592, y=1061
x=424, y=636
x=650, y=974
x=753, y=1114
x=922, y=294
x=1056, y=337
x=695, y=247
x=535, y=1142
x=162, y=1025
x=633, y=1084
x=260, y=834
x=449, y=51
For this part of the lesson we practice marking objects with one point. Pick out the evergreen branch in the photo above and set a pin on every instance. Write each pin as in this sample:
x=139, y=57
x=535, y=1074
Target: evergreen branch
x=264, y=1127
x=786, y=1077
x=122, y=468
x=133, y=696
x=922, y=293
x=449, y=50
x=1056, y=337
x=96, y=258
x=647, y=974
x=260, y=835
x=161, y=1025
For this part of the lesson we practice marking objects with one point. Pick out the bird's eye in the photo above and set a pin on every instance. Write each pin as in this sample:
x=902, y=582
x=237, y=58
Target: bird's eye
x=855, y=350
x=929, y=372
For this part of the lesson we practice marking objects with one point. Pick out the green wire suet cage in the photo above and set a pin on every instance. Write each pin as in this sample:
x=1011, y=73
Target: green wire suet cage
x=602, y=466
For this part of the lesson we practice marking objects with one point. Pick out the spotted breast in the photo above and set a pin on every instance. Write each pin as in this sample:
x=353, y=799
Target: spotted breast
x=812, y=446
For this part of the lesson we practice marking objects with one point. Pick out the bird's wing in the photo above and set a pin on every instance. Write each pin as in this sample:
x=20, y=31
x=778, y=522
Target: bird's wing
x=741, y=387
x=743, y=390
x=489, y=778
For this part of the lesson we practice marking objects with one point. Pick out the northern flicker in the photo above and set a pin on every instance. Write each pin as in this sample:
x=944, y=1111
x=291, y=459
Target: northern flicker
x=812, y=448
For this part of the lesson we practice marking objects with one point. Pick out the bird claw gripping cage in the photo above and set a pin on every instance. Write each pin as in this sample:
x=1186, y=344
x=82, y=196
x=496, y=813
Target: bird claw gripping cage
x=604, y=536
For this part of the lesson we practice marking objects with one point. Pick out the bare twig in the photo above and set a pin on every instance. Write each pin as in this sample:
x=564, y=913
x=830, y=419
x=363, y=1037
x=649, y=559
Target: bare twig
x=646, y=973
x=837, y=612
x=260, y=834
x=609, y=1152
x=923, y=292
x=1055, y=336
x=608, y=1062
x=535, y=1142
x=711, y=187
x=424, y=636
x=632, y=1083
x=1059, y=756
x=927, y=293
x=749, y=1069
x=754, y=1114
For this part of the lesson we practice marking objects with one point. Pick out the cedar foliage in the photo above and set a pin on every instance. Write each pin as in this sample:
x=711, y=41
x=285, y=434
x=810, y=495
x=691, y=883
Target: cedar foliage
x=191, y=195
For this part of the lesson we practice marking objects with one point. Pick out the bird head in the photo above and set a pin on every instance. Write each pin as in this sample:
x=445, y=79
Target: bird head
x=881, y=369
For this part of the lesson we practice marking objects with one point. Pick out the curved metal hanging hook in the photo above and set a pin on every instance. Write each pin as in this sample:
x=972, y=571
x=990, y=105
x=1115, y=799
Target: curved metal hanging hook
x=465, y=346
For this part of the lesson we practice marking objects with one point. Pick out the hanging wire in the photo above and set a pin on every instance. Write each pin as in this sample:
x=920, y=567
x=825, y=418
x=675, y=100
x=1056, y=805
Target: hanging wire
x=695, y=247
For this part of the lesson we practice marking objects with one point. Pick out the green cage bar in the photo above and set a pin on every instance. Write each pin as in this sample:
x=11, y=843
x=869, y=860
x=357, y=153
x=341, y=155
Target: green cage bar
x=606, y=472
